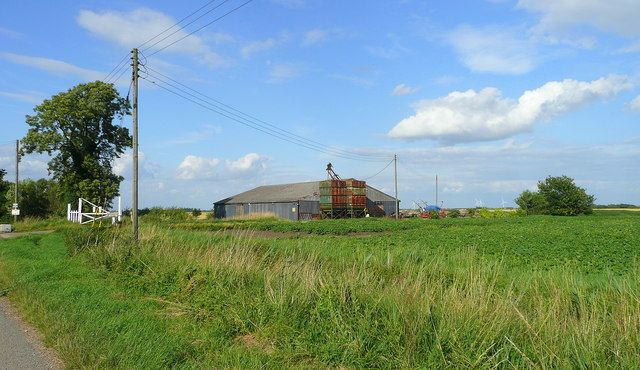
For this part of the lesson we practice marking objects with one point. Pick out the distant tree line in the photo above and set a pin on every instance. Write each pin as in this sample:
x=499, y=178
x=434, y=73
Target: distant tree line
x=558, y=196
x=38, y=198
x=616, y=205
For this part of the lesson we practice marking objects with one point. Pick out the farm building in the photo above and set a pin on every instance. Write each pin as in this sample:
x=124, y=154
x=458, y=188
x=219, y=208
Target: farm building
x=298, y=201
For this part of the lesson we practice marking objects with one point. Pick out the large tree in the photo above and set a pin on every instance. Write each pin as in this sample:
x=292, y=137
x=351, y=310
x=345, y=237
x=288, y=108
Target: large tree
x=76, y=128
x=556, y=196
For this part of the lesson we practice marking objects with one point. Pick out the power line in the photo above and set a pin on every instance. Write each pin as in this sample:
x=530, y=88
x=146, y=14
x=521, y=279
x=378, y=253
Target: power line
x=183, y=27
x=379, y=172
x=209, y=106
x=256, y=121
x=177, y=23
x=199, y=29
x=116, y=67
x=270, y=133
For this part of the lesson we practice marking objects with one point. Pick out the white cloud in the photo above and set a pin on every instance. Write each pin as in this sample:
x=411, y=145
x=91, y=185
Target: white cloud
x=5, y=32
x=320, y=35
x=493, y=49
x=394, y=51
x=193, y=167
x=281, y=72
x=635, y=104
x=27, y=96
x=130, y=29
x=248, y=162
x=315, y=36
x=616, y=16
x=403, y=89
x=122, y=165
x=633, y=48
x=192, y=137
x=53, y=66
x=259, y=46
x=465, y=116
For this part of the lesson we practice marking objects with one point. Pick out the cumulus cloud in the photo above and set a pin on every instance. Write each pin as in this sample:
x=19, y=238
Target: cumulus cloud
x=466, y=116
x=403, y=89
x=53, y=66
x=193, y=167
x=248, y=162
x=202, y=168
x=493, y=49
x=616, y=16
x=133, y=28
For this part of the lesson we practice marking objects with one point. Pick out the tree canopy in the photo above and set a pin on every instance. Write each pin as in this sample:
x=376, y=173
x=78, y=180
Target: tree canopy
x=4, y=187
x=76, y=128
x=556, y=196
x=38, y=198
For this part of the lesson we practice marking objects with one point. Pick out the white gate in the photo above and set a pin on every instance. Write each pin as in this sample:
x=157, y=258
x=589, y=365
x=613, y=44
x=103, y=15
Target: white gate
x=97, y=212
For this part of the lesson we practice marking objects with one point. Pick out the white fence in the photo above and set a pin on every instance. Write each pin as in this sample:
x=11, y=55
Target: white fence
x=97, y=212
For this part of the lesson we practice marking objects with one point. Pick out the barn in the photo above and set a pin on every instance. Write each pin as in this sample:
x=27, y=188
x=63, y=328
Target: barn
x=297, y=201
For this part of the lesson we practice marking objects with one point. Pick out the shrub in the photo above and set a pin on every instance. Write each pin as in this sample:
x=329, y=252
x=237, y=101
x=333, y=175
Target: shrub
x=196, y=213
x=454, y=213
x=164, y=214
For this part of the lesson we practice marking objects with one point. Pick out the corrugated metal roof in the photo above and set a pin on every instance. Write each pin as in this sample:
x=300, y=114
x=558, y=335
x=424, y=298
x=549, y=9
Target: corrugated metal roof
x=291, y=193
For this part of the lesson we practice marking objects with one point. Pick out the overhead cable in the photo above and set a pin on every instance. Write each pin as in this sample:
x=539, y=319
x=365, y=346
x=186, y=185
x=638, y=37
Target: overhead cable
x=209, y=106
x=236, y=112
x=201, y=28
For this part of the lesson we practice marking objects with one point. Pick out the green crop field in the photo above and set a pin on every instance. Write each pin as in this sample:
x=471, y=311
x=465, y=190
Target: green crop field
x=535, y=291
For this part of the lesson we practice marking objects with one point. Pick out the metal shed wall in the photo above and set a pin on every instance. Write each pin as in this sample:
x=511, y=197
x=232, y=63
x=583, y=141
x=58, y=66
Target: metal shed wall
x=309, y=209
x=288, y=210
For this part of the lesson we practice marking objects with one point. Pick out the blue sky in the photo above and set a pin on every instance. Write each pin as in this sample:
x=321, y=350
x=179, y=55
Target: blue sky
x=490, y=95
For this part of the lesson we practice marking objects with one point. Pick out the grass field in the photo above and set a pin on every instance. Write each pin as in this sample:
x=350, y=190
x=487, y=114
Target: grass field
x=513, y=292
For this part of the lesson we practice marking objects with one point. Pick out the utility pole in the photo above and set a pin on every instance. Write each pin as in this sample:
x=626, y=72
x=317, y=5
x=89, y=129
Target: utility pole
x=15, y=190
x=437, y=203
x=134, y=128
x=395, y=170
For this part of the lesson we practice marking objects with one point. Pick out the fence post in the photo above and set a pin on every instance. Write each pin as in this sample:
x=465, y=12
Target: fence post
x=80, y=210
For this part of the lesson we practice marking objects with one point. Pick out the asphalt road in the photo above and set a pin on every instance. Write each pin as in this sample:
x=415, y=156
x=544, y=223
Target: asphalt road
x=20, y=345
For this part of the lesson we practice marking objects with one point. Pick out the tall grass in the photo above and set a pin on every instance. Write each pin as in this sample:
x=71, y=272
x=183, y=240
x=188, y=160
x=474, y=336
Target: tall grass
x=297, y=307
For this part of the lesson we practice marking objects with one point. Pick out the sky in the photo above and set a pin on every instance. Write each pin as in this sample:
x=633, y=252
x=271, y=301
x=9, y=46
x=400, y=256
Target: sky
x=492, y=96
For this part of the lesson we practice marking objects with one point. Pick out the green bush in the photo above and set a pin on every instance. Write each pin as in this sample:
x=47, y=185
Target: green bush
x=454, y=213
x=164, y=214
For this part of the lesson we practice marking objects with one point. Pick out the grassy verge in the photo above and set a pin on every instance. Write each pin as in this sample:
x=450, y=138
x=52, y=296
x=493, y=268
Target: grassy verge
x=434, y=294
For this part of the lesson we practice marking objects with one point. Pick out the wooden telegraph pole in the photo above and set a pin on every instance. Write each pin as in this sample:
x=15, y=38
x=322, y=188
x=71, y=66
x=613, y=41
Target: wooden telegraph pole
x=395, y=170
x=15, y=190
x=134, y=177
